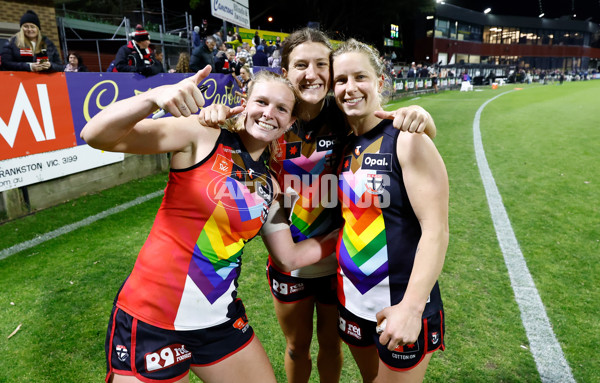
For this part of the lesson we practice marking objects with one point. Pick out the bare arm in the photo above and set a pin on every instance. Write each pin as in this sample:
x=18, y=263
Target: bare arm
x=237, y=80
x=287, y=254
x=413, y=119
x=426, y=183
x=123, y=126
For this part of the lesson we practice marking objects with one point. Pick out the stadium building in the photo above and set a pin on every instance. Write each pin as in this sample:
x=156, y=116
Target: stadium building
x=460, y=38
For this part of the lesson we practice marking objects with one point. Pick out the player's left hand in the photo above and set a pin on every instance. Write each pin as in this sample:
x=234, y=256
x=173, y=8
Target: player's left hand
x=402, y=326
x=413, y=118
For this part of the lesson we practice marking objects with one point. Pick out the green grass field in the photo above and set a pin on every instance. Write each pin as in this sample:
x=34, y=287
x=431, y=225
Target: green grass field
x=541, y=143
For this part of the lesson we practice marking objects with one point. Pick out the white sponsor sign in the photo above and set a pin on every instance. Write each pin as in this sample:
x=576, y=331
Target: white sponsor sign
x=23, y=171
x=234, y=11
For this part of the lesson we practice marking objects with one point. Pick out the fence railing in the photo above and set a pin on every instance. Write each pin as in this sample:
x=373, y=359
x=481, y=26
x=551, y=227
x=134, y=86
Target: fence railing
x=405, y=86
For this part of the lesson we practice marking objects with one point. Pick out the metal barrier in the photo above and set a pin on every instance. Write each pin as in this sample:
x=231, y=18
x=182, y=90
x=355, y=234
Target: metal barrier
x=409, y=86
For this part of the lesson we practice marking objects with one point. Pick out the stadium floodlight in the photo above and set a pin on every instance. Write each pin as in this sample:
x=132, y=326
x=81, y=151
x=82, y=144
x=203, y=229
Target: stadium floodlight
x=487, y=10
x=541, y=15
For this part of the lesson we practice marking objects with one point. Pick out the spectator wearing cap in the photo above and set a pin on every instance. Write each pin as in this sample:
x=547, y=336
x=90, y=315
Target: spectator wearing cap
x=137, y=56
x=269, y=48
x=29, y=51
x=260, y=58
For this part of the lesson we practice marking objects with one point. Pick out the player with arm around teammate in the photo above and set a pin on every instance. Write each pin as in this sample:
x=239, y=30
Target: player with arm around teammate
x=310, y=153
x=178, y=310
x=393, y=189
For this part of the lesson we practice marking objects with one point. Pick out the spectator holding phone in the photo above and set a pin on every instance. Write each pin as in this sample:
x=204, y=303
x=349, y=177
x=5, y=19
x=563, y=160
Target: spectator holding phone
x=29, y=51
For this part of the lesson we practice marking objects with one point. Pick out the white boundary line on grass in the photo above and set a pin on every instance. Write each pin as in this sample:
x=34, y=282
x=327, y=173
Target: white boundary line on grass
x=547, y=353
x=68, y=228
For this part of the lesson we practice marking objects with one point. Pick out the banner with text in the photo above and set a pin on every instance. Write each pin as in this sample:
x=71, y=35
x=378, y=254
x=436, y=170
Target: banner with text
x=235, y=11
x=42, y=115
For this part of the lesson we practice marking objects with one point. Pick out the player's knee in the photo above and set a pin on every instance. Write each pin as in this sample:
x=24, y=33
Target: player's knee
x=329, y=340
x=330, y=348
x=298, y=353
x=299, y=344
x=368, y=374
x=368, y=377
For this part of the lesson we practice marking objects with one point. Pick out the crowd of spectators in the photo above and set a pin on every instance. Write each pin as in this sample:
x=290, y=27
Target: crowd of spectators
x=542, y=76
x=230, y=53
x=415, y=71
x=29, y=50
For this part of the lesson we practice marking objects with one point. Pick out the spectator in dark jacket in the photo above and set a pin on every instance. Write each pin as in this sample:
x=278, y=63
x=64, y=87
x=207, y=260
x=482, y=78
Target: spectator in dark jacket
x=158, y=53
x=269, y=48
x=228, y=64
x=412, y=71
x=203, y=56
x=136, y=56
x=260, y=58
x=256, y=39
x=28, y=50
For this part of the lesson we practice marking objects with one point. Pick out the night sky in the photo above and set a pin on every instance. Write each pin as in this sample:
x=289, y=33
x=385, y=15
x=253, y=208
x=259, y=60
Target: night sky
x=350, y=16
x=298, y=12
x=531, y=8
x=369, y=20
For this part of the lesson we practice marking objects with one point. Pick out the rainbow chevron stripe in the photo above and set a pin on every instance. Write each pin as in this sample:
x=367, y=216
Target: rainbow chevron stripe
x=216, y=256
x=308, y=218
x=185, y=276
x=362, y=251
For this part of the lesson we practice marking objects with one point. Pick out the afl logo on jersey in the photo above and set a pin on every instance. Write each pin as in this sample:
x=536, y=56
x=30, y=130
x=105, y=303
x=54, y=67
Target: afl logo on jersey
x=377, y=161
